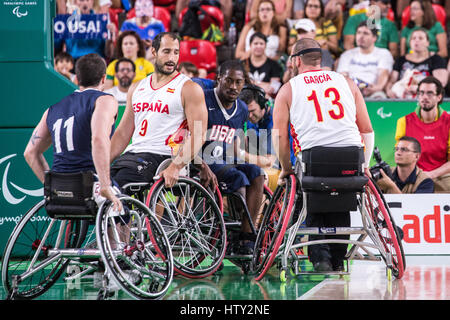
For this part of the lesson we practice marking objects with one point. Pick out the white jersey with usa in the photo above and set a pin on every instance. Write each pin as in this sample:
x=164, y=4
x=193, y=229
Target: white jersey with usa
x=323, y=110
x=158, y=115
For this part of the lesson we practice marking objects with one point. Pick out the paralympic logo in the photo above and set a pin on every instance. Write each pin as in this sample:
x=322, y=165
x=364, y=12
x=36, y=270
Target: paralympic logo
x=19, y=14
x=6, y=185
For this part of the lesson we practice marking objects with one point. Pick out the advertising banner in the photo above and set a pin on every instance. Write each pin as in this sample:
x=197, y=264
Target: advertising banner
x=84, y=26
x=424, y=219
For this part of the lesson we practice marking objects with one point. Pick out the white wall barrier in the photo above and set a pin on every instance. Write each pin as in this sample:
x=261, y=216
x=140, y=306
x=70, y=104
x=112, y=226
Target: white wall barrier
x=425, y=220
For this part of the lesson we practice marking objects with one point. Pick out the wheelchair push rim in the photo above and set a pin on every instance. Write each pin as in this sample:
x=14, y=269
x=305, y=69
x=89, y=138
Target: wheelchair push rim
x=194, y=226
x=273, y=227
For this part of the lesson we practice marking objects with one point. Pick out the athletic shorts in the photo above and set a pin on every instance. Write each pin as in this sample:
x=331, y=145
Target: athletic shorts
x=233, y=177
x=136, y=167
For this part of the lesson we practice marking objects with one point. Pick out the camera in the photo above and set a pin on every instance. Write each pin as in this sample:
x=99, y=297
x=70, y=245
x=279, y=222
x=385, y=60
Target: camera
x=375, y=170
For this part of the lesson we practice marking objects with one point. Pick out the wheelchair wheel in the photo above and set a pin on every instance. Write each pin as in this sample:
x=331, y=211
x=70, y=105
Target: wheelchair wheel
x=140, y=263
x=386, y=230
x=273, y=227
x=27, y=258
x=193, y=223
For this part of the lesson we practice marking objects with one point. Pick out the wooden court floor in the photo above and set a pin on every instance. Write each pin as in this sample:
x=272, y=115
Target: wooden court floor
x=426, y=278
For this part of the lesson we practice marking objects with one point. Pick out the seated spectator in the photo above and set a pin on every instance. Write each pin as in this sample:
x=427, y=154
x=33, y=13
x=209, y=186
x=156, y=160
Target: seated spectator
x=267, y=24
x=125, y=71
x=80, y=47
x=333, y=10
x=430, y=125
x=367, y=65
x=326, y=32
x=305, y=28
x=422, y=15
x=414, y=66
x=64, y=65
x=407, y=177
x=226, y=6
x=144, y=24
x=129, y=45
x=263, y=72
x=199, y=77
x=388, y=32
x=188, y=68
x=283, y=9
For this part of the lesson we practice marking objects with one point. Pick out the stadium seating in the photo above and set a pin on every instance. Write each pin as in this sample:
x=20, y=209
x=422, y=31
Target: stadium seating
x=160, y=13
x=214, y=15
x=202, y=53
x=168, y=4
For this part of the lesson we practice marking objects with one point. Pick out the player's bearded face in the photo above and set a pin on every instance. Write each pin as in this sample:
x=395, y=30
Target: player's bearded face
x=166, y=67
x=167, y=57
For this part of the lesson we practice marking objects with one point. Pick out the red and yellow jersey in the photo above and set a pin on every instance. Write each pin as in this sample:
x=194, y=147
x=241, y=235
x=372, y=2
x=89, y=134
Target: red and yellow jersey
x=434, y=138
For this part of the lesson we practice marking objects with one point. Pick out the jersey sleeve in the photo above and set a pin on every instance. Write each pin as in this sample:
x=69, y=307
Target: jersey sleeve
x=401, y=128
x=110, y=70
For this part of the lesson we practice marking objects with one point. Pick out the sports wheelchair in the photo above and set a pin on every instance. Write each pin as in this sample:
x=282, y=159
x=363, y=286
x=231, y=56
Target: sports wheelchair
x=327, y=180
x=200, y=227
x=130, y=248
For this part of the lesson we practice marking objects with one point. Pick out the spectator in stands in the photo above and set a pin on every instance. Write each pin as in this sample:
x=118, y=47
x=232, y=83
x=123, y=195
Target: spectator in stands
x=305, y=28
x=283, y=9
x=64, y=65
x=367, y=65
x=188, y=68
x=80, y=47
x=388, y=32
x=326, y=32
x=267, y=24
x=414, y=66
x=422, y=15
x=125, y=71
x=144, y=24
x=196, y=75
x=226, y=6
x=430, y=125
x=407, y=177
x=129, y=45
x=333, y=10
x=263, y=71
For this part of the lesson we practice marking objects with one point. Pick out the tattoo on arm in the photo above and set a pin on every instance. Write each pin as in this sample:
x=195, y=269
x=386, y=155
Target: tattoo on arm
x=34, y=137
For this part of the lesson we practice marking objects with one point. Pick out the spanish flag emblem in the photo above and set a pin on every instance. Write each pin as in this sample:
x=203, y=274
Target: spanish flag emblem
x=170, y=90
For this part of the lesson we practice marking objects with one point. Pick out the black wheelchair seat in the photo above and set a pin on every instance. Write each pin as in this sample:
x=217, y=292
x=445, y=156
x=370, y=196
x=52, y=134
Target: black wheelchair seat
x=332, y=177
x=70, y=195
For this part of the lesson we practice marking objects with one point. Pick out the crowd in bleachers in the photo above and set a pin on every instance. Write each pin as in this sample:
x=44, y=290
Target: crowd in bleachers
x=403, y=41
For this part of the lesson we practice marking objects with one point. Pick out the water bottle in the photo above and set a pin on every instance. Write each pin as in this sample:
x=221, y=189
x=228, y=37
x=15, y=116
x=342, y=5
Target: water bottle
x=232, y=35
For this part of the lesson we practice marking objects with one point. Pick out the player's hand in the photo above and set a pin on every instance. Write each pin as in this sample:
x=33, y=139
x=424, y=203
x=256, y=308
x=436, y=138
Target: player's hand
x=170, y=175
x=207, y=177
x=108, y=193
x=283, y=174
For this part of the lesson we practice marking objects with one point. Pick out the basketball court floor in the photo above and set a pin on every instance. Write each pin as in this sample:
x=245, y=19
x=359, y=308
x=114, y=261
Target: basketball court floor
x=425, y=278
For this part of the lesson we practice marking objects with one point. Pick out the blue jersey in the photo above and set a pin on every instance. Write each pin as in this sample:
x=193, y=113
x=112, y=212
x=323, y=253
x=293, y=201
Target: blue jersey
x=223, y=127
x=69, y=122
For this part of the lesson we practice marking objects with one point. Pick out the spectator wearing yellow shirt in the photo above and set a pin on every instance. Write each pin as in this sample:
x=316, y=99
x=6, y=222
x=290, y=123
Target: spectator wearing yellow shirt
x=129, y=45
x=326, y=32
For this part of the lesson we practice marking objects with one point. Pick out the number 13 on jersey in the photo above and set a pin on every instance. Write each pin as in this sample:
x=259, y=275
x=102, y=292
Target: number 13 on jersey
x=333, y=94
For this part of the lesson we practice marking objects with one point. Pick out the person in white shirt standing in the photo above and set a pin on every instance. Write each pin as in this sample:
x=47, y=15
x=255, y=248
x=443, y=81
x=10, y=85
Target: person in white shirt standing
x=367, y=65
x=324, y=109
x=125, y=73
